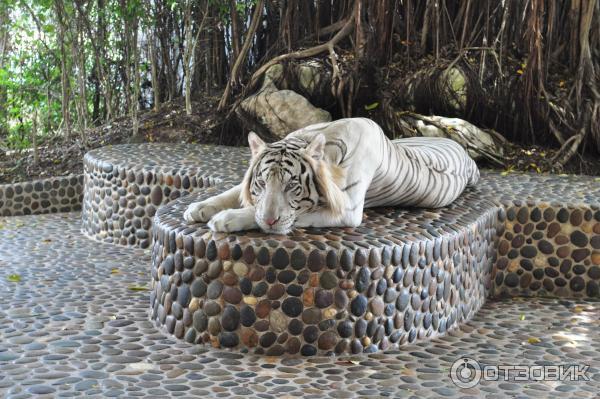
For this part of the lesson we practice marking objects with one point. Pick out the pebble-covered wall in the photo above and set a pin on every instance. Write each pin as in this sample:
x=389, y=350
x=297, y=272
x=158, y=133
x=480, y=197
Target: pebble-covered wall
x=56, y=194
x=549, y=250
x=403, y=275
x=125, y=184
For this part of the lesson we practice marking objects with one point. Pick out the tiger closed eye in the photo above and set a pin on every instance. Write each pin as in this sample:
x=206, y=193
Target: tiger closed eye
x=290, y=185
x=260, y=181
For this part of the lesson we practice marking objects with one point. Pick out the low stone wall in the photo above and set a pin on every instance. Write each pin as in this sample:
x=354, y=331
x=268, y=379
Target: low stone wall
x=402, y=276
x=56, y=194
x=549, y=250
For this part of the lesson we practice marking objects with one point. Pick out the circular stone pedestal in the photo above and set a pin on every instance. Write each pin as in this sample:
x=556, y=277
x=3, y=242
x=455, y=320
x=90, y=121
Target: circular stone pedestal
x=403, y=275
x=125, y=184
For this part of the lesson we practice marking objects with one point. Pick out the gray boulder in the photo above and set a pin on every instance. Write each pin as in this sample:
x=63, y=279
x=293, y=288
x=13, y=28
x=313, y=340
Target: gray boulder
x=281, y=111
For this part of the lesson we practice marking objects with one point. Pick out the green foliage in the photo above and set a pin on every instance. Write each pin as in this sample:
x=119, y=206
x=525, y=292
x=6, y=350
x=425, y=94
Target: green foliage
x=28, y=73
x=97, y=38
x=30, y=68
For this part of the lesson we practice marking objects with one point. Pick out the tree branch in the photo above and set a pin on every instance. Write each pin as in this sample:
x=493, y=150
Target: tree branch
x=310, y=52
x=233, y=79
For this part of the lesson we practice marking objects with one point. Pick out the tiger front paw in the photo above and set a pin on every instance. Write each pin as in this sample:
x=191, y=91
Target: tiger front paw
x=200, y=212
x=230, y=220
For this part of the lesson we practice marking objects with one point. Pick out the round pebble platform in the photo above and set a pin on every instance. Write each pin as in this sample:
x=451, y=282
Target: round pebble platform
x=402, y=275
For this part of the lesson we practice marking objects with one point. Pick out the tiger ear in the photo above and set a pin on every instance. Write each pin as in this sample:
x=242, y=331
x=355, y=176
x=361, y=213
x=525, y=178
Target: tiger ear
x=256, y=144
x=316, y=147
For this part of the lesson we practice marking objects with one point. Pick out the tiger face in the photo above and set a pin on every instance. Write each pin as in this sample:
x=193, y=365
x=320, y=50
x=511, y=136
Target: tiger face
x=281, y=181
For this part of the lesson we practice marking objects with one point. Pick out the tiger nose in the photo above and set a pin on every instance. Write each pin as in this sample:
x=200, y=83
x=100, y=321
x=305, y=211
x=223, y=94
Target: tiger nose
x=271, y=221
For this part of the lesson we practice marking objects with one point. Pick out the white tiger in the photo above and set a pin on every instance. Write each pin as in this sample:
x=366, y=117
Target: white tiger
x=325, y=174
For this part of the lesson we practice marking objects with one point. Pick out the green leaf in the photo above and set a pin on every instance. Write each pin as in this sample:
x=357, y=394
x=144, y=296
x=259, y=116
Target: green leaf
x=138, y=288
x=14, y=278
x=371, y=106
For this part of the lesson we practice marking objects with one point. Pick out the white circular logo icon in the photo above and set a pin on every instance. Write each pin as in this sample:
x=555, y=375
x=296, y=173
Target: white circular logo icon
x=465, y=372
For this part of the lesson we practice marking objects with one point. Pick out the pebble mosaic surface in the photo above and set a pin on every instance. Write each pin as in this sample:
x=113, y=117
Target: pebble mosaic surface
x=80, y=327
x=57, y=194
x=402, y=276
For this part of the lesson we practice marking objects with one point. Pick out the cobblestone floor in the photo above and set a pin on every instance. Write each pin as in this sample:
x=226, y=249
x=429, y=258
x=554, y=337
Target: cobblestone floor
x=74, y=322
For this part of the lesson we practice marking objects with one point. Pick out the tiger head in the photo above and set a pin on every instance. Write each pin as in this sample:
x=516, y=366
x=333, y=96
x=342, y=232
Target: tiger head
x=288, y=178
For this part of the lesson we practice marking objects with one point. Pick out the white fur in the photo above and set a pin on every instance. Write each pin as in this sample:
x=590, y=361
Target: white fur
x=425, y=172
x=230, y=220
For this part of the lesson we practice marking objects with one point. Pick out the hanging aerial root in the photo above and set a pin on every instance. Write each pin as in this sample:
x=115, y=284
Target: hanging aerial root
x=568, y=150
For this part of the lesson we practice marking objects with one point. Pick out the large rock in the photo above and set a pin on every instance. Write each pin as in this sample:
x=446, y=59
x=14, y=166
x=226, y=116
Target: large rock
x=478, y=143
x=282, y=111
